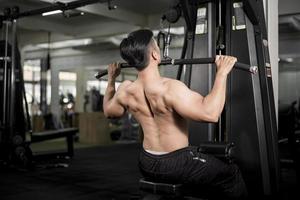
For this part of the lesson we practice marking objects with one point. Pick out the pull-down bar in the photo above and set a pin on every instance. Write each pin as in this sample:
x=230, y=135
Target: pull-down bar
x=237, y=65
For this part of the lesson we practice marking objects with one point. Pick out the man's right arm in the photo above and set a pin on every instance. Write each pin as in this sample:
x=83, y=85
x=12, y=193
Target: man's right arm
x=192, y=105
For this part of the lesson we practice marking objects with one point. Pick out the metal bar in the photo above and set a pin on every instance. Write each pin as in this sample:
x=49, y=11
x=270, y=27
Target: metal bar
x=268, y=107
x=189, y=55
x=4, y=114
x=187, y=15
x=261, y=126
x=183, y=54
x=13, y=79
x=220, y=121
x=211, y=52
x=251, y=10
x=240, y=66
x=56, y=6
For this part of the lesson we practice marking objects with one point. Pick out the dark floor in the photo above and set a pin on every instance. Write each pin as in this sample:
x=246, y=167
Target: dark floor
x=95, y=173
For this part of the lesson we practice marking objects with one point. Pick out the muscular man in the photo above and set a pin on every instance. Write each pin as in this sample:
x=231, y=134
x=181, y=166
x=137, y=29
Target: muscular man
x=163, y=106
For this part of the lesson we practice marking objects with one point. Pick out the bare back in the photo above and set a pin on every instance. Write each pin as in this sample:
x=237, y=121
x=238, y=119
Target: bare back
x=164, y=129
x=162, y=106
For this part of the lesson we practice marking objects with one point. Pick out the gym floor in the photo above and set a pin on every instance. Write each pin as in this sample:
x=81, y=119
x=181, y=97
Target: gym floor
x=94, y=173
x=97, y=172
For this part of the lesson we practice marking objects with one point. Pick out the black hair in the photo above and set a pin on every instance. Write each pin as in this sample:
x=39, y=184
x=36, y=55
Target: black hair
x=134, y=48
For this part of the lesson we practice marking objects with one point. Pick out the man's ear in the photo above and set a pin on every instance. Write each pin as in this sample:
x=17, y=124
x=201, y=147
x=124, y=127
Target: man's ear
x=154, y=55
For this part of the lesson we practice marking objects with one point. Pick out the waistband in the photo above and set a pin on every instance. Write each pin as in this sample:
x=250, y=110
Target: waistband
x=170, y=154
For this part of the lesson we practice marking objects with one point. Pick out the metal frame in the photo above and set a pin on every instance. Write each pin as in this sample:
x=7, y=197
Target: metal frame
x=12, y=89
x=258, y=130
x=267, y=97
x=6, y=60
x=259, y=115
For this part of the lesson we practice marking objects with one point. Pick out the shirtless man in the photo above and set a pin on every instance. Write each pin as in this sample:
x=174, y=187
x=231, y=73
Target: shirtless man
x=163, y=106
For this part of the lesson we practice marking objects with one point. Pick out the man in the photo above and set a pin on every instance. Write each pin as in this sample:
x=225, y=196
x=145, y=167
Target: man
x=162, y=106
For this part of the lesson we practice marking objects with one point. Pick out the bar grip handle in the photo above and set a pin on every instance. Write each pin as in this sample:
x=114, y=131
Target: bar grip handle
x=237, y=65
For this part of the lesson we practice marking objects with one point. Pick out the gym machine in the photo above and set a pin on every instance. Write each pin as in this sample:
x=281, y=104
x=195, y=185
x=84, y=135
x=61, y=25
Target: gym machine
x=13, y=123
x=14, y=118
x=248, y=121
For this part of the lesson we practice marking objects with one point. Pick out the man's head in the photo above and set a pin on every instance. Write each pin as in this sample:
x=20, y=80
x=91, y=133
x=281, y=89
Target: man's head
x=139, y=49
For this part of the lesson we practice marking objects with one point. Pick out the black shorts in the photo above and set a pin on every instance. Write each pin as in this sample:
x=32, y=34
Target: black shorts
x=204, y=174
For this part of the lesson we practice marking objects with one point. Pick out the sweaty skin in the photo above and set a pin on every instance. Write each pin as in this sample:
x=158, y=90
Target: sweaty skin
x=162, y=106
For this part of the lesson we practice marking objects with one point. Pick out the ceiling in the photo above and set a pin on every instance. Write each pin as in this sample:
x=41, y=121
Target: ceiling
x=144, y=7
x=97, y=21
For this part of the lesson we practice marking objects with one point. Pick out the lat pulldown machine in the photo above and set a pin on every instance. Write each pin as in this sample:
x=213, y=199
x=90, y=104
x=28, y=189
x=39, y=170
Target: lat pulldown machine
x=248, y=121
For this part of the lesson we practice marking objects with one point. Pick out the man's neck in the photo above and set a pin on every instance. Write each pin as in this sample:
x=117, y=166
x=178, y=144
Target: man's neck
x=149, y=74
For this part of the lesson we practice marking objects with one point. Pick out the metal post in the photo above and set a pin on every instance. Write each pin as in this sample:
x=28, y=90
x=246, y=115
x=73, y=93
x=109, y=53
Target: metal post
x=4, y=114
x=13, y=78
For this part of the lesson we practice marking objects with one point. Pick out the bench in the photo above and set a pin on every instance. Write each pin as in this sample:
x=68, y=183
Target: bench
x=68, y=133
x=155, y=190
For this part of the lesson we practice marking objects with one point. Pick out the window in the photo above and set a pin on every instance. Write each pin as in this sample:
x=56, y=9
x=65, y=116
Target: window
x=32, y=78
x=67, y=83
x=99, y=85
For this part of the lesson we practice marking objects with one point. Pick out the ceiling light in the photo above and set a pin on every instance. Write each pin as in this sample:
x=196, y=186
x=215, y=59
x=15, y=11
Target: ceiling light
x=173, y=30
x=289, y=59
x=52, y=12
x=66, y=43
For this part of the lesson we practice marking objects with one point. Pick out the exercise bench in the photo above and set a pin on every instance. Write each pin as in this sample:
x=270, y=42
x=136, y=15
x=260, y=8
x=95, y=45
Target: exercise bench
x=155, y=191
x=68, y=133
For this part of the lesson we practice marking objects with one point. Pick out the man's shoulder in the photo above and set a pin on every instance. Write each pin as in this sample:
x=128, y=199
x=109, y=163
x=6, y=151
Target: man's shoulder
x=173, y=83
x=121, y=91
x=125, y=84
x=173, y=88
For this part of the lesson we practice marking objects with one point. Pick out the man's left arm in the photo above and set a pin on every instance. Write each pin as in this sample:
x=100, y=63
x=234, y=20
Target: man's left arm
x=111, y=106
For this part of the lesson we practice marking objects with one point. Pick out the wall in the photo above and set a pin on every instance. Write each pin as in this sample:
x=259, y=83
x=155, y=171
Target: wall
x=289, y=82
x=79, y=64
